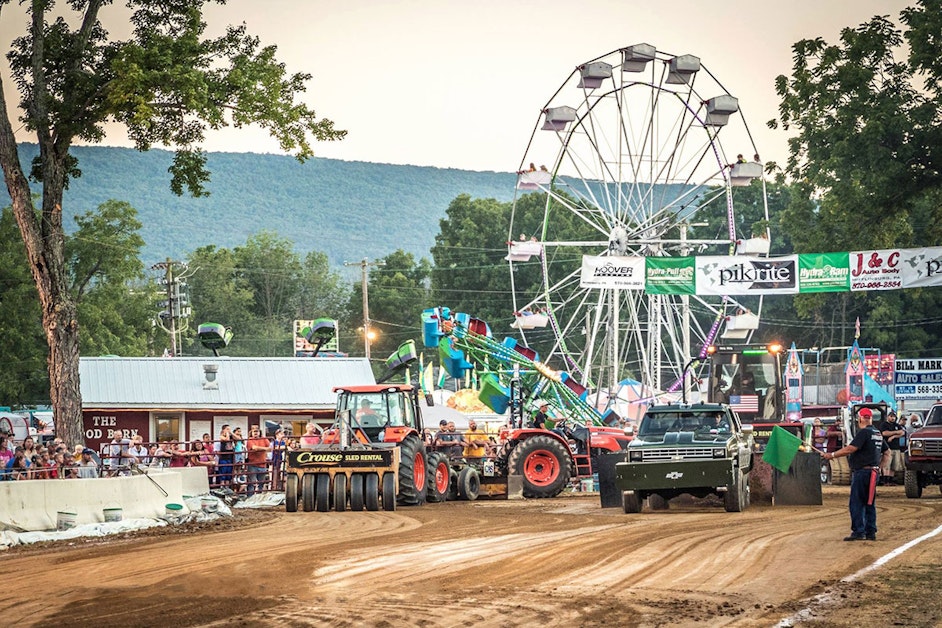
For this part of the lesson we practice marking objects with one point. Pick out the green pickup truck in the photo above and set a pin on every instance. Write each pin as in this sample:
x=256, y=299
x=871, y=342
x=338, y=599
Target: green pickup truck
x=696, y=449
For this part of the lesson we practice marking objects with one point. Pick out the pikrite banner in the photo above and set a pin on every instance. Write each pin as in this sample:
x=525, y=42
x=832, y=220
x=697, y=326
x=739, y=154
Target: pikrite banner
x=626, y=273
x=876, y=270
x=823, y=272
x=670, y=275
x=743, y=275
x=921, y=267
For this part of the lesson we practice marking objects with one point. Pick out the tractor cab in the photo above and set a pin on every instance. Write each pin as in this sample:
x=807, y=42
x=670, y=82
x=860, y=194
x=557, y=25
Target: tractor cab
x=378, y=413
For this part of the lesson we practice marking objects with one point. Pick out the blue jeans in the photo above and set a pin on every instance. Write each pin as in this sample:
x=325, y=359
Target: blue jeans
x=257, y=476
x=863, y=516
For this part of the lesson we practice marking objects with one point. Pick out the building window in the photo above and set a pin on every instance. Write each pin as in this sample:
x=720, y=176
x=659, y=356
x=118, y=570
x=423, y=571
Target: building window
x=167, y=427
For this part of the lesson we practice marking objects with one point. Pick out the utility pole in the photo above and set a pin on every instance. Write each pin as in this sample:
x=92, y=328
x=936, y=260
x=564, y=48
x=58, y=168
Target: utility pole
x=364, y=265
x=177, y=300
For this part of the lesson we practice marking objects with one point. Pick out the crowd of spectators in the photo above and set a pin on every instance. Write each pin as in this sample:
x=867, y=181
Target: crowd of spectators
x=244, y=465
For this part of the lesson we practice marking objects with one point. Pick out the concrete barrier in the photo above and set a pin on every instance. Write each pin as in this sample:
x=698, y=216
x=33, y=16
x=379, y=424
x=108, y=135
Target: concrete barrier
x=33, y=505
x=195, y=480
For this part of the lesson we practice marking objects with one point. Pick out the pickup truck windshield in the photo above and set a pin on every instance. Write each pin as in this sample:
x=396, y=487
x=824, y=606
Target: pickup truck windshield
x=654, y=426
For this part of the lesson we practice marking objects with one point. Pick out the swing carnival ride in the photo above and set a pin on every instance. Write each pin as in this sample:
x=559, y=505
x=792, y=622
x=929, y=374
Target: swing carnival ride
x=513, y=378
x=638, y=171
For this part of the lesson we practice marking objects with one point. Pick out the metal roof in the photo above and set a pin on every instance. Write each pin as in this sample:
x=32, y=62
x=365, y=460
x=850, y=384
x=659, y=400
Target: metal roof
x=248, y=383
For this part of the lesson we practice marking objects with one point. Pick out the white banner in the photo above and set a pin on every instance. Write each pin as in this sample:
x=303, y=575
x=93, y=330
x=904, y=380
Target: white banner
x=876, y=270
x=626, y=273
x=921, y=267
x=743, y=274
x=918, y=379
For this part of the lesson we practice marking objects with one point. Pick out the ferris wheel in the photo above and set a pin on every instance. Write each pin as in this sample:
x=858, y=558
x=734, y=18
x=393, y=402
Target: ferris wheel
x=639, y=153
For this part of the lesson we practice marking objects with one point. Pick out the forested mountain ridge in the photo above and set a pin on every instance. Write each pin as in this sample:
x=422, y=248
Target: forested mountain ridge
x=347, y=209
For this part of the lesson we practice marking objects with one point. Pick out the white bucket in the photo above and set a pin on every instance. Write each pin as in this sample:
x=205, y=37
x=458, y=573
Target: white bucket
x=587, y=485
x=112, y=514
x=209, y=504
x=65, y=520
x=174, y=510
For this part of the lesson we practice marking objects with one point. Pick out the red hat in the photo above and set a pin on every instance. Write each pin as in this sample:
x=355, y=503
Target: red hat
x=866, y=412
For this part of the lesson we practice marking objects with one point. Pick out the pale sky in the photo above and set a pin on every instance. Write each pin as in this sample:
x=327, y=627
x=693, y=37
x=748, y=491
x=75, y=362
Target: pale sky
x=461, y=84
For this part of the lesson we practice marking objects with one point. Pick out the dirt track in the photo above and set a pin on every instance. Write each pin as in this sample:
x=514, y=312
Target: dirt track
x=560, y=562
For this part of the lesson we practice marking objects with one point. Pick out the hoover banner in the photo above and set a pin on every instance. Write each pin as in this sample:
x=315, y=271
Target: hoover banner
x=612, y=272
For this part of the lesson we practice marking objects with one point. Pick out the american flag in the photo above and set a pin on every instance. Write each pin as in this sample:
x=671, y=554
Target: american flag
x=744, y=403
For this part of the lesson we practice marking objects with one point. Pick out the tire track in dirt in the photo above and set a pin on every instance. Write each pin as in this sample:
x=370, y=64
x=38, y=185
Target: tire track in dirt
x=548, y=563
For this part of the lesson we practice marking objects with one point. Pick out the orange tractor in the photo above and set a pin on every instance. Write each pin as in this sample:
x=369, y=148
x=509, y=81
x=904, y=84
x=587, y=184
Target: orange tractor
x=373, y=456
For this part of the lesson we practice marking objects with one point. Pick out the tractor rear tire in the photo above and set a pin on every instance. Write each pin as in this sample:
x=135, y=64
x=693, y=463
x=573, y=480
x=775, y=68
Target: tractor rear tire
x=307, y=492
x=412, y=471
x=656, y=502
x=469, y=484
x=912, y=485
x=630, y=503
x=543, y=463
x=439, y=477
x=389, y=492
x=291, y=492
x=372, y=491
x=340, y=492
x=356, y=492
x=840, y=472
x=322, y=493
x=452, y=485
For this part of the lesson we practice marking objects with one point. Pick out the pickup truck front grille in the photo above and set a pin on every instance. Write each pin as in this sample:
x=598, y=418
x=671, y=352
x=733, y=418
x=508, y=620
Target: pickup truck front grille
x=933, y=446
x=677, y=453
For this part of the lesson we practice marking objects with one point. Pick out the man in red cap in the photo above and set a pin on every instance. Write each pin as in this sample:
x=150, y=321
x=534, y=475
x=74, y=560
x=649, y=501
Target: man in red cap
x=864, y=453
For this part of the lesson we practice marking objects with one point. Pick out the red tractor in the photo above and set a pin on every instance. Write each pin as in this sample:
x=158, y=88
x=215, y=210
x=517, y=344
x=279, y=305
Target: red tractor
x=372, y=455
x=546, y=460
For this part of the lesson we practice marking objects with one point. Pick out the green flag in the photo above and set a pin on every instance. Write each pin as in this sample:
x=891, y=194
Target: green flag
x=781, y=449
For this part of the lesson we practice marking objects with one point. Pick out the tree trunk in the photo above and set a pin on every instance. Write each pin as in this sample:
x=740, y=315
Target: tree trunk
x=62, y=334
x=45, y=252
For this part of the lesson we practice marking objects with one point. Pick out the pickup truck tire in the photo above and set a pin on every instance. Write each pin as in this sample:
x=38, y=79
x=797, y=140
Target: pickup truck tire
x=544, y=465
x=735, y=498
x=630, y=503
x=656, y=502
x=912, y=485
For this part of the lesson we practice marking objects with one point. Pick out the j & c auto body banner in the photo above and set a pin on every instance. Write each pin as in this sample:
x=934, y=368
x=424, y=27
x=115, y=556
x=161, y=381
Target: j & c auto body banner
x=884, y=269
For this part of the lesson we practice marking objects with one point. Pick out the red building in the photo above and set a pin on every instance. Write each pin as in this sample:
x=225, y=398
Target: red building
x=180, y=399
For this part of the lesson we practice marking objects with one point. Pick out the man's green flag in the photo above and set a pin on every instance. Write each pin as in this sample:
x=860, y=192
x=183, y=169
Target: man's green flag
x=781, y=449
